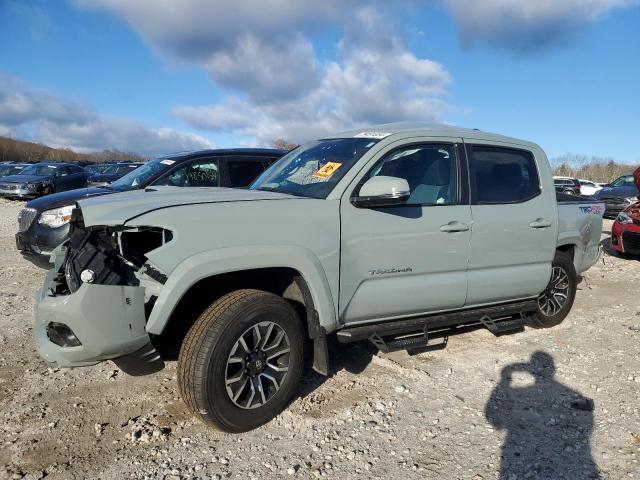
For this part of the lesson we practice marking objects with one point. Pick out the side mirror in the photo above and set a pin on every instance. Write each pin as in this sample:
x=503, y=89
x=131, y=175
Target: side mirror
x=382, y=192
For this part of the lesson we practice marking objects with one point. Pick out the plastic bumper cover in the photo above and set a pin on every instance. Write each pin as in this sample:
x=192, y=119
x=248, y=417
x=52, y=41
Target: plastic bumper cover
x=108, y=320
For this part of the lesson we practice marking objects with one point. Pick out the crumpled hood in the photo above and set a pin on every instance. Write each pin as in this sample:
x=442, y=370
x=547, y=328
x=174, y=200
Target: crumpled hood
x=118, y=208
x=633, y=211
x=23, y=179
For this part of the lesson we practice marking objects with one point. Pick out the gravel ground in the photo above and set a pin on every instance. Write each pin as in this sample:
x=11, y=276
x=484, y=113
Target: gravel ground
x=558, y=403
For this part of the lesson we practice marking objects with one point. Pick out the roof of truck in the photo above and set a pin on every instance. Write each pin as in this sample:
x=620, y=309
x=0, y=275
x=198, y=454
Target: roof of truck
x=426, y=129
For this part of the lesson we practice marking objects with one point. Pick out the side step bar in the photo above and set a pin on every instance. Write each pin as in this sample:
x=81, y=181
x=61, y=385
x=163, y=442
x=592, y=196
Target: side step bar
x=414, y=334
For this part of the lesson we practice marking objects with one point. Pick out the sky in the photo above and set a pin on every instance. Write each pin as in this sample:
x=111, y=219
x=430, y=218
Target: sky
x=160, y=76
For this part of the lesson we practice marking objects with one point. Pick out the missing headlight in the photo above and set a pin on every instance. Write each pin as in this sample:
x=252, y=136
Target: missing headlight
x=135, y=244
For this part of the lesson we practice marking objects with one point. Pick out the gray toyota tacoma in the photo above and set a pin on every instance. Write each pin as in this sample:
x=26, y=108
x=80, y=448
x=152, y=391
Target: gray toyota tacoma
x=398, y=234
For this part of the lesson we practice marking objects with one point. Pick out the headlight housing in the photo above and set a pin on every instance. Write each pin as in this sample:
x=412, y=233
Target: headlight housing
x=56, y=217
x=29, y=186
x=631, y=200
x=624, y=219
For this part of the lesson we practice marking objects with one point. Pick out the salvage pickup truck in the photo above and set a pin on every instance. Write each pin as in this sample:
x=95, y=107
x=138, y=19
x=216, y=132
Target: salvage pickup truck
x=398, y=234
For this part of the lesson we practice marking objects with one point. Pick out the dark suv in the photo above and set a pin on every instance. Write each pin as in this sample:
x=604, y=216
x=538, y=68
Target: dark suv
x=567, y=185
x=43, y=178
x=44, y=223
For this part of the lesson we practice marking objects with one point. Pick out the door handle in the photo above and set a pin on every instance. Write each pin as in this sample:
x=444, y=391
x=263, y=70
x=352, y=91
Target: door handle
x=454, y=227
x=540, y=223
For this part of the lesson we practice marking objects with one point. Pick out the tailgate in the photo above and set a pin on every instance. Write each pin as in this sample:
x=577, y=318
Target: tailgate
x=580, y=224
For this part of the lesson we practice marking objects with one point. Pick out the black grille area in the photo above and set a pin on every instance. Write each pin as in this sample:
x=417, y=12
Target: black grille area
x=26, y=218
x=631, y=242
x=95, y=250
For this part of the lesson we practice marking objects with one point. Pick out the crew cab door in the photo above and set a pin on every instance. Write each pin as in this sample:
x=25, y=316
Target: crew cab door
x=408, y=259
x=515, y=227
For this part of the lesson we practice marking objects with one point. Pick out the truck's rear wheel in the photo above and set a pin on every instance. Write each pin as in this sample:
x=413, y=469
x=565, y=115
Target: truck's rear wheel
x=555, y=303
x=241, y=361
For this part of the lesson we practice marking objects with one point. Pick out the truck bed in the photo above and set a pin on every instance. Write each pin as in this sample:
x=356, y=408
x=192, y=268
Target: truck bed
x=580, y=225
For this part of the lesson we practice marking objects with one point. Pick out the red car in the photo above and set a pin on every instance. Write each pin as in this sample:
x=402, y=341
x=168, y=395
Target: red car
x=625, y=233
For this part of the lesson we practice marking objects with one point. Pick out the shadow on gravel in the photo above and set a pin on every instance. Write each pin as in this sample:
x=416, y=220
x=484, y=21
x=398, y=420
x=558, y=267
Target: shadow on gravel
x=548, y=424
x=352, y=357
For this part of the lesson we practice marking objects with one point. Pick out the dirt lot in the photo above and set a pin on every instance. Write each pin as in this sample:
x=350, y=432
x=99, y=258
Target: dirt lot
x=510, y=407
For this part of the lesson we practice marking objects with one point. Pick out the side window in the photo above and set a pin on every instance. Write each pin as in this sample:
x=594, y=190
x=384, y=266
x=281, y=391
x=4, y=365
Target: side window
x=503, y=175
x=199, y=173
x=243, y=172
x=429, y=169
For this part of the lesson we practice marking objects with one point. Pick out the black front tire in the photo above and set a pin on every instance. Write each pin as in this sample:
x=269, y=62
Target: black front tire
x=207, y=348
x=545, y=319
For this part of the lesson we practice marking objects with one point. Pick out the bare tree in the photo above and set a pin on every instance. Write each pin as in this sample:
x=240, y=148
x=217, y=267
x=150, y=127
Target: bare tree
x=597, y=169
x=21, y=151
x=283, y=144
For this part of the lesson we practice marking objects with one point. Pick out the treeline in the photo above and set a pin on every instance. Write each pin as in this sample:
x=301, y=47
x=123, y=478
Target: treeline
x=597, y=169
x=12, y=150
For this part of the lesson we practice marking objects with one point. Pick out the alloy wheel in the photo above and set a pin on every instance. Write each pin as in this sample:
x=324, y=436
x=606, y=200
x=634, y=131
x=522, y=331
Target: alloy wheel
x=257, y=365
x=556, y=294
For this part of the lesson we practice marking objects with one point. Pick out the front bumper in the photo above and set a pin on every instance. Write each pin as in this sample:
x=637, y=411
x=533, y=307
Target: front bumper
x=19, y=194
x=625, y=238
x=108, y=320
x=38, y=241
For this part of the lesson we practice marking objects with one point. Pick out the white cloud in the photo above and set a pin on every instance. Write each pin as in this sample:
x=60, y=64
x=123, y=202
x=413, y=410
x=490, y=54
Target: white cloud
x=525, y=25
x=39, y=115
x=375, y=79
x=255, y=48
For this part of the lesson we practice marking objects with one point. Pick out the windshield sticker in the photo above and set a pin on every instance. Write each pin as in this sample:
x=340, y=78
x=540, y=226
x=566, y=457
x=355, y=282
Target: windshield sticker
x=167, y=162
x=376, y=135
x=327, y=169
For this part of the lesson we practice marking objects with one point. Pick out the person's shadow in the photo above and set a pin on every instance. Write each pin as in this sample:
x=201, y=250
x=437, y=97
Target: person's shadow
x=548, y=424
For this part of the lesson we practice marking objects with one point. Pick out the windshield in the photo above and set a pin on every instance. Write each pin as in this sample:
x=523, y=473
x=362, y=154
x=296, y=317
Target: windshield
x=625, y=181
x=143, y=175
x=312, y=170
x=119, y=169
x=39, y=170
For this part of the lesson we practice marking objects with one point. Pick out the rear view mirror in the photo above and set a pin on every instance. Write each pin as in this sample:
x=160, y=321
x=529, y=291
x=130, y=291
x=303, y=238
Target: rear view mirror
x=382, y=192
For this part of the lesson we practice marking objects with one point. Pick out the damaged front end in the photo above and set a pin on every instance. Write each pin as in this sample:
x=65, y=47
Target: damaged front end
x=95, y=303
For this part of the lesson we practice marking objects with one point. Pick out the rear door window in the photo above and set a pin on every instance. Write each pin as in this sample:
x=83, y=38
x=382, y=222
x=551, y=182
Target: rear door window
x=502, y=175
x=242, y=172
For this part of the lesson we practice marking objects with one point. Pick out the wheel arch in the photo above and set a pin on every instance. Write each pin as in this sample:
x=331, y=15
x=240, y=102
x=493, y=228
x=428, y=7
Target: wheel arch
x=196, y=283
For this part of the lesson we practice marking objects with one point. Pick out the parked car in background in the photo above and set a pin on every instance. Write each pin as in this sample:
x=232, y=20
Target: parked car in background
x=588, y=188
x=567, y=185
x=618, y=195
x=44, y=223
x=625, y=232
x=42, y=179
x=111, y=173
x=380, y=234
x=8, y=169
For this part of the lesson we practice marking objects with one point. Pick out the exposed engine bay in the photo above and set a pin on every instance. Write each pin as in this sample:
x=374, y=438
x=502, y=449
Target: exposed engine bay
x=108, y=255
